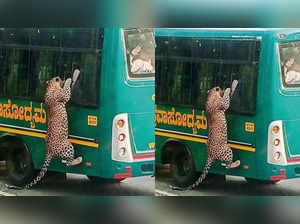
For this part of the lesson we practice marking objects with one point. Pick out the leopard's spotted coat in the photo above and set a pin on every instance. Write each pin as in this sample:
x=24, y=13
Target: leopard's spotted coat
x=217, y=148
x=57, y=144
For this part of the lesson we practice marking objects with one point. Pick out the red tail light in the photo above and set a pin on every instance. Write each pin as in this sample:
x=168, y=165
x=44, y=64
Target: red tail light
x=276, y=142
x=122, y=137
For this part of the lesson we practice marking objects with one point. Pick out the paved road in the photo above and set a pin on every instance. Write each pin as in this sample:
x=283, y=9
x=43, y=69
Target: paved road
x=232, y=186
x=79, y=185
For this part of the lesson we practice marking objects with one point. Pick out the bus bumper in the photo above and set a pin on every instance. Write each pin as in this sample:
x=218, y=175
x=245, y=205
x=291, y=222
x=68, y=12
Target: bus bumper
x=284, y=172
x=134, y=169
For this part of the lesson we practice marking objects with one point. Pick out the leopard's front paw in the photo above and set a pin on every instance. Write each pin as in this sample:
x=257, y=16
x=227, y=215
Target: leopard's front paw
x=75, y=76
x=68, y=82
x=227, y=91
x=233, y=86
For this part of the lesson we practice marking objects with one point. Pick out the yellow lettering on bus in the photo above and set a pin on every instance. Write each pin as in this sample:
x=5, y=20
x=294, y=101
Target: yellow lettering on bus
x=178, y=119
x=27, y=113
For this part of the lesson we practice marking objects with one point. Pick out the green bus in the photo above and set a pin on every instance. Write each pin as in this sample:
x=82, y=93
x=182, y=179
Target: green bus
x=263, y=119
x=111, y=119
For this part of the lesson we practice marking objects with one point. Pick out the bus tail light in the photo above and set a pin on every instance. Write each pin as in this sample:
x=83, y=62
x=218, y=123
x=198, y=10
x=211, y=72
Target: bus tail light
x=277, y=155
x=122, y=152
x=275, y=129
x=276, y=142
x=121, y=146
x=121, y=137
x=120, y=123
x=276, y=149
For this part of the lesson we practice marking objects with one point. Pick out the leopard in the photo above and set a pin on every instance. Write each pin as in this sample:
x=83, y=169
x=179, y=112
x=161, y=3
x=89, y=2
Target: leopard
x=217, y=103
x=57, y=94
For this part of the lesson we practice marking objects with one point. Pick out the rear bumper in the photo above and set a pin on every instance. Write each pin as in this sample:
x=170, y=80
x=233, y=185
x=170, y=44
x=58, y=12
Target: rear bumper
x=141, y=167
x=283, y=172
x=292, y=171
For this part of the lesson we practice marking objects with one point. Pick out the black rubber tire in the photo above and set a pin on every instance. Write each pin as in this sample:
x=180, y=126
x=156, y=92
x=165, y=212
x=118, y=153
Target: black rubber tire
x=104, y=180
x=260, y=182
x=183, y=168
x=20, y=167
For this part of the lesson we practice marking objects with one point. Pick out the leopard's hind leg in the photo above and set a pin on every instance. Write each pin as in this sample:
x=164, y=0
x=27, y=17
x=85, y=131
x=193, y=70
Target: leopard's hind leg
x=228, y=159
x=67, y=153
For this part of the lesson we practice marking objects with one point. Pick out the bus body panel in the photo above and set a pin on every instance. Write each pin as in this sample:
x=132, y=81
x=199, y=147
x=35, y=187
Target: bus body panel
x=93, y=125
x=272, y=102
x=133, y=102
x=274, y=105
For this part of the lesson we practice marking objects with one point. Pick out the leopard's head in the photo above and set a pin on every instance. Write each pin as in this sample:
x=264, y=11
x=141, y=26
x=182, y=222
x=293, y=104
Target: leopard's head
x=212, y=96
x=54, y=83
x=215, y=93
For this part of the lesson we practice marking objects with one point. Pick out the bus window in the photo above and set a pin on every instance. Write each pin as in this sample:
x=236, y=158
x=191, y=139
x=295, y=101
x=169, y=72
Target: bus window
x=14, y=36
x=86, y=90
x=290, y=63
x=45, y=37
x=49, y=53
x=3, y=71
x=17, y=77
x=140, y=46
x=81, y=38
x=187, y=67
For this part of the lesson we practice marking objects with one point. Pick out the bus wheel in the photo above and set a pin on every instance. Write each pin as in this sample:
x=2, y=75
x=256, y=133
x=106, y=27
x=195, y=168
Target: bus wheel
x=183, y=168
x=260, y=182
x=104, y=180
x=20, y=167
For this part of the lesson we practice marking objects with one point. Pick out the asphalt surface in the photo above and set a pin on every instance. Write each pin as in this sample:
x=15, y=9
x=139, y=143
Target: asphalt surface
x=79, y=185
x=231, y=186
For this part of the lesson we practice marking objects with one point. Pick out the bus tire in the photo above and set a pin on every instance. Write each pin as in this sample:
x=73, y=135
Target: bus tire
x=20, y=167
x=183, y=168
x=101, y=180
x=260, y=182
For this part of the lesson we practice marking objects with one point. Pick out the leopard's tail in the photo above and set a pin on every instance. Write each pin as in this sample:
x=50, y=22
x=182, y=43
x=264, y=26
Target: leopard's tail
x=42, y=172
x=202, y=177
